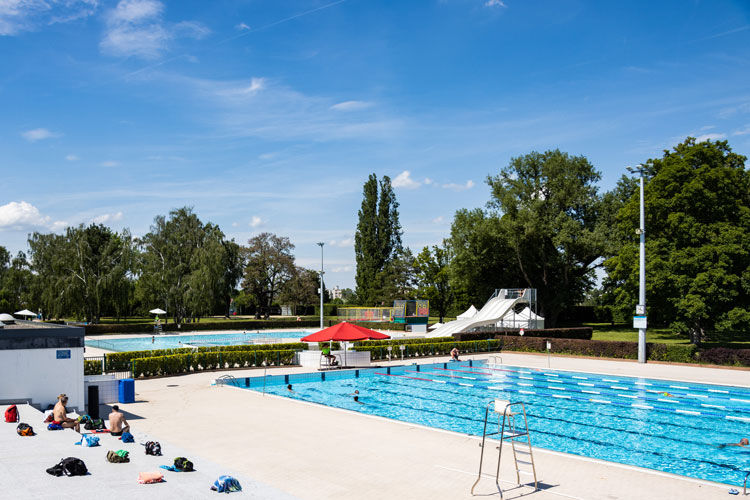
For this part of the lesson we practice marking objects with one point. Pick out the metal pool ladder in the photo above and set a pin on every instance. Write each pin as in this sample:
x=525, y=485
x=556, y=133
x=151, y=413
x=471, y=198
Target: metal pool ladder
x=509, y=430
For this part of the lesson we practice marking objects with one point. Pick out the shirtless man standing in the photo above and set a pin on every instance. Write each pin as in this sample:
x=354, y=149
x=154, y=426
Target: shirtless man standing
x=117, y=422
x=60, y=414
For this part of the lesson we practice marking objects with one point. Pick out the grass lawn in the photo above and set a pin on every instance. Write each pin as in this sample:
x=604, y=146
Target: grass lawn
x=626, y=333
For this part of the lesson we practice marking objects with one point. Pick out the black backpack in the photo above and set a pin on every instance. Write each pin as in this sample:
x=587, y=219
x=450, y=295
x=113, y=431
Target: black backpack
x=183, y=464
x=93, y=424
x=70, y=466
x=153, y=448
x=24, y=430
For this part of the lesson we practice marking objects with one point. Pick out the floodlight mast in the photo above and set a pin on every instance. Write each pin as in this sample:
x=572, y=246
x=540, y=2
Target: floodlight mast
x=641, y=231
x=322, y=291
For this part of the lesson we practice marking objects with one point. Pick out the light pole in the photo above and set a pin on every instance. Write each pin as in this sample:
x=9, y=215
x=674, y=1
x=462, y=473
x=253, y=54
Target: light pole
x=322, y=290
x=639, y=321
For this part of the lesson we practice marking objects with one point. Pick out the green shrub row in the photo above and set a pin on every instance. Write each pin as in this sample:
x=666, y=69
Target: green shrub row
x=189, y=363
x=120, y=361
x=399, y=341
x=679, y=353
x=92, y=367
x=432, y=349
x=584, y=332
x=193, y=327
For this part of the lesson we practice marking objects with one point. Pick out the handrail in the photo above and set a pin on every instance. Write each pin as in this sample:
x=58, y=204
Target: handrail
x=228, y=378
x=744, y=487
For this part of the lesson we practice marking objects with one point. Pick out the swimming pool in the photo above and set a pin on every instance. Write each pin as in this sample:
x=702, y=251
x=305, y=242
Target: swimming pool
x=669, y=426
x=175, y=341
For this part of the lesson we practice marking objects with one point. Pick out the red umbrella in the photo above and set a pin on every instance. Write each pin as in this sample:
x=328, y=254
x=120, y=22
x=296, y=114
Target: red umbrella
x=345, y=332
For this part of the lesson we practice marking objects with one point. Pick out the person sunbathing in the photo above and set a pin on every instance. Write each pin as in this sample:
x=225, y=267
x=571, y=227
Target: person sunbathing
x=60, y=414
x=117, y=422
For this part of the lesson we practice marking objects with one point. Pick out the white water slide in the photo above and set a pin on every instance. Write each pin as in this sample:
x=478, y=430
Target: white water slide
x=492, y=313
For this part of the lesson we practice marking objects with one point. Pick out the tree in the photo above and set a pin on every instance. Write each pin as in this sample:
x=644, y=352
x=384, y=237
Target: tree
x=697, y=205
x=302, y=288
x=481, y=257
x=183, y=265
x=269, y=265
x=377, y=241
x=15, y=281
x=433, y=278
x=550, y=210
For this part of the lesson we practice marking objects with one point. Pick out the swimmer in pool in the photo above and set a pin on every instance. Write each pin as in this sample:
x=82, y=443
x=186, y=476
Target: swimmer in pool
x=289, y=388
x=356, y=400
x=743, y=442
x=355, y=393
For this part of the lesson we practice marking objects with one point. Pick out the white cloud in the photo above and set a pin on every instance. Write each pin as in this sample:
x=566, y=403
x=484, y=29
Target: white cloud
x=710, y=137
x=235, y=224
x=342, y=269
x=428, y=181
x=72, y=158
x=107, y=218
x=744, y=131
x=256, y=84
x=25, y=216
x=255, y=221
x=351, y=105
x=17, y=16
x=459, y=187
x=494, y=3
x=438, y=220
x=346, y=242
x=135, y=28
x=38, y=134
x=404, y=180
x=109, y=164
x=242, y=27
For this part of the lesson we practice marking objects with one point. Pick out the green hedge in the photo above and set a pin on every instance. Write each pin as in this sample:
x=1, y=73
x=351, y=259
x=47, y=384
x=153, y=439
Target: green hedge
x=399, y=341
x=194, y=327
x=120, y=361
x=584, y=332
x=680, y=353
x=432, y=349
x=189, y=363
x=92, y=367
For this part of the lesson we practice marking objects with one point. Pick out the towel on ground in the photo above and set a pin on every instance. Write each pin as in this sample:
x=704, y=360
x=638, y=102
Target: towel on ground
x=150, y=477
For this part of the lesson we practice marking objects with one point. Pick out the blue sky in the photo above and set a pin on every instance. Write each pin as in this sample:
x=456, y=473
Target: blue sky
x=268, y=115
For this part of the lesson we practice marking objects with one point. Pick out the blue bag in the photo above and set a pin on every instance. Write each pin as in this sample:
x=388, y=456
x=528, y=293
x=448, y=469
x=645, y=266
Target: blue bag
x=127, y=437
x=54, y=427
x=88, y=440
x=226, y=484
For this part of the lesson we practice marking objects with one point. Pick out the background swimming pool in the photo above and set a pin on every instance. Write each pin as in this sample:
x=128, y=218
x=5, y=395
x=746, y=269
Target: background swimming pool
x=668, y=426
x=174, y=341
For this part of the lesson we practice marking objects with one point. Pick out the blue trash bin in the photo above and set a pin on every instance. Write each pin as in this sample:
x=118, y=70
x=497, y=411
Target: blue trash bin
x=126, y=390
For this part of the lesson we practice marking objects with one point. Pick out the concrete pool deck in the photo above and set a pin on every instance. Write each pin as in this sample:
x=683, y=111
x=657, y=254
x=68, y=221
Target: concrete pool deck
x=316, y=452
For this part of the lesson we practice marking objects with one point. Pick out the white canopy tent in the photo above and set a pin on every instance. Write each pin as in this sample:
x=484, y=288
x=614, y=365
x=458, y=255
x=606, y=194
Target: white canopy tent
x=158, y=311
x=25, y=313
x=469, y=313
x=523, y=319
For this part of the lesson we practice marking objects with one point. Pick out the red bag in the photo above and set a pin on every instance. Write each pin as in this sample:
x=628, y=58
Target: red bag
x=11, y=414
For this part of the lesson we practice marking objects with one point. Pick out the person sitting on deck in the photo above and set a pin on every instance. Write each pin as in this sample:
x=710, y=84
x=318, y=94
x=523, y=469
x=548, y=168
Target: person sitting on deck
x=60, y=414
x=117, y=422
x=454, y=354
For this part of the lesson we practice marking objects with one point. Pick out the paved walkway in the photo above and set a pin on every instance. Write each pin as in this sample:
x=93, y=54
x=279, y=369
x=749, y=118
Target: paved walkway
x=24, y=460
x=316, y=452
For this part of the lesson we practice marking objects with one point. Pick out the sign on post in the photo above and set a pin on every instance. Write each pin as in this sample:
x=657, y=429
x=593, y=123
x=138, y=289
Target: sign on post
x=639, y=322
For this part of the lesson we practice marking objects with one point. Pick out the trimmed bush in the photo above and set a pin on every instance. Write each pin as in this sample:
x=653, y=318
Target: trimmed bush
x=399, y=341
x=431, y=349
x=584, y=332
x=194, y=327
x=189, y=363
x=120, y=361
x=676, y=353
x=92, y=367
x=725, y=356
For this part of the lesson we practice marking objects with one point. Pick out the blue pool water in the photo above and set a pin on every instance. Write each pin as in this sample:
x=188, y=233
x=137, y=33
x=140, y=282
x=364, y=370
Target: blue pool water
x=669, y=426
x=175, y=341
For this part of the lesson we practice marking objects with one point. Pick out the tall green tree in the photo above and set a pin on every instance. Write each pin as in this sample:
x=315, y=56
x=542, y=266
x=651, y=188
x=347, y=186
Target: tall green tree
x=550, y=209
x=697, y=205
x=433, y=279
x=182, y=266
x=302, y=288
x=269, y=265
x=15, y=282
x=377, y=241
